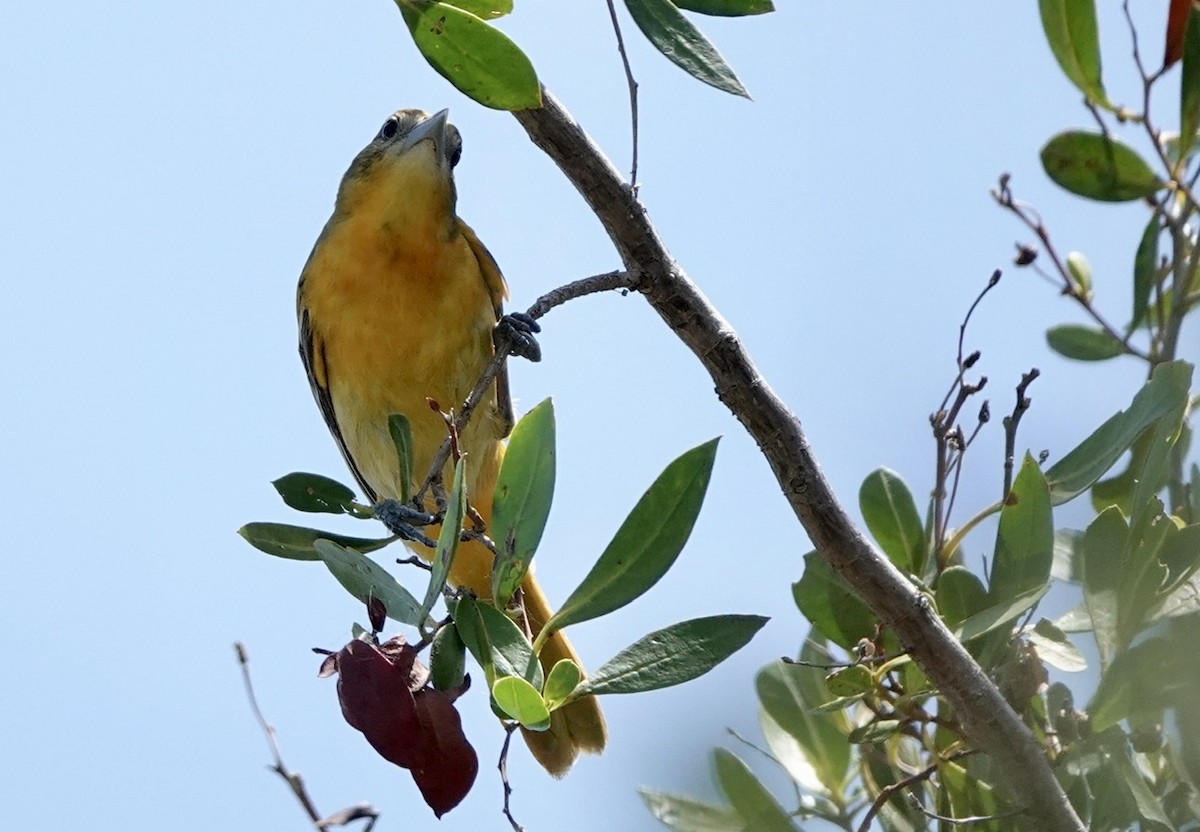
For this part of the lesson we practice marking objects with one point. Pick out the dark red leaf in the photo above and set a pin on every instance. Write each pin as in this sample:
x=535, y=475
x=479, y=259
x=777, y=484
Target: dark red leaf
x=1177, y=17
x=450, y=761
x=376, y=699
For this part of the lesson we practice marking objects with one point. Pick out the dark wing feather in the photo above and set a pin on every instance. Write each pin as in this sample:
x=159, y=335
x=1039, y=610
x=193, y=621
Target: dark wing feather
x=313, y=356
x=498, y=290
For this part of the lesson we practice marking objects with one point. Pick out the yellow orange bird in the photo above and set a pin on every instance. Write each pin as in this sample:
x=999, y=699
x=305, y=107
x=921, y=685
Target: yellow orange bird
x=396, y=304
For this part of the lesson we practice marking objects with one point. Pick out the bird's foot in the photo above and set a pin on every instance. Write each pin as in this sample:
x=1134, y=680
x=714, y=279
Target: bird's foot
x=403, y=520
x=514, y=335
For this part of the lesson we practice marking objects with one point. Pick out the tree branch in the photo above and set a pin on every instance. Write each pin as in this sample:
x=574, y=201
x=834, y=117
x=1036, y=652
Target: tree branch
x=986, y=717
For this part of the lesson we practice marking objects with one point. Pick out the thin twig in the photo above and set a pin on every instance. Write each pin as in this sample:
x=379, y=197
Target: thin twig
x=633, y=91
x=502, y=766
x=1010, y=427
x=294, y=781
x=885, y=794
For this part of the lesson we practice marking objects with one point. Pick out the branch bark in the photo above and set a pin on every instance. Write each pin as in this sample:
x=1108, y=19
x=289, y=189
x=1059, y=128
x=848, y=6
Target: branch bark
x=986, y=717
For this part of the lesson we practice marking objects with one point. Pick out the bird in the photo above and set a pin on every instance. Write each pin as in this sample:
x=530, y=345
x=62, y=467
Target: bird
x=396, y=306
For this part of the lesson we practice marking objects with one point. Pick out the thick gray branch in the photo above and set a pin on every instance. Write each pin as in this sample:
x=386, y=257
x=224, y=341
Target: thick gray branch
x=986, y=717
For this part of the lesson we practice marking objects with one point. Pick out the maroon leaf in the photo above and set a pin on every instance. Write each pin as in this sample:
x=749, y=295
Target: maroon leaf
x=450, y=762
x=384, y=693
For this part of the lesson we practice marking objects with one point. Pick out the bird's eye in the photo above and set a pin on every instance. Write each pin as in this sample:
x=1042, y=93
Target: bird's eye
x=455, y=155
x=389, y=128
x=454, y=145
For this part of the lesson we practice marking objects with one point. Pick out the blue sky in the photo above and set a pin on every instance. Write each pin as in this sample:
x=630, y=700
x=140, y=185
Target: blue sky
x=166, y=170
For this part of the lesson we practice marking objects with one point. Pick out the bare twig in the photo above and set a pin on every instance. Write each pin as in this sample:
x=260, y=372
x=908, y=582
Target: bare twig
x=502, y=766
x=1010, y=427
x=986, y=717
x=886, y=793
x=633, y=91
x=294, y=781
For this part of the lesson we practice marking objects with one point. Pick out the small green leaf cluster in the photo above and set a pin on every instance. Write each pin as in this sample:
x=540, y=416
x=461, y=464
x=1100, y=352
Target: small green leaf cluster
x=645, y=546
x=457, y=39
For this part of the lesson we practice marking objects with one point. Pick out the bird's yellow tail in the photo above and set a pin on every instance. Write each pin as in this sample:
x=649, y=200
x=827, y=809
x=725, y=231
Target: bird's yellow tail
x=579, y=726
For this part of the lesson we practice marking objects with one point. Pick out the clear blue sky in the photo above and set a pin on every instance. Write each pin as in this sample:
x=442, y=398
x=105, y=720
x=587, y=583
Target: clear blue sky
x=166, y=170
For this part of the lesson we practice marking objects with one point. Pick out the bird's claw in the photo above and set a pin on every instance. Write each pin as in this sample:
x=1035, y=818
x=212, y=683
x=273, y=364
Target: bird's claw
x=402, y=520
x=514, y=335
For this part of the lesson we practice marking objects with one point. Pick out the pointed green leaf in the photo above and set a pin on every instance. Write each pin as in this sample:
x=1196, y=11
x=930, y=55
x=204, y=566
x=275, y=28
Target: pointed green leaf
x=891, y=514
x=646, y=544
x=1145, y=270
x=364, y=578
x=877, y=730
x=850, y=681
x=496, y=642
x=447, y=544
x=475, y=57
x=447, y=659
x=673, y=655
x=561, y=682
x=1070, y=27
x=829, y=603
x=988, y=620
x=791, y=694
x=726, y=8
x=1101, y=553
x=1098, y=167
x=296, y=542
x=749, y=798
x=1083, y=343
x=521, y=701
x=1142, y=681
x=401, y=431
x=524, y=490
x=1166, y=390
x=314, y=493
x=1189, y=85
x=1025, y=541
x=686, y=815
x=674, y=36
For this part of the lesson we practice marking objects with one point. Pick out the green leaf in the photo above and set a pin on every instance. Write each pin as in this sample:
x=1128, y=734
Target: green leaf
x=985, y=621
x=479, y=60
x=891, y=514
x=561, y=682
x=1098, y=167
x=1025, y=541
x=447, y=544
x=749, y=798
x=401, y=431
x=1066, y=561
x=1141, y=682
x=875, y=731
x=674, y=36
x=296, y=542
x=1189, y=85
x=1101, y=554
x=1070, y=27
x=960, y=594
x=1166, y=390
x=364, y=578
x=521, y=701
x=524, y=490
x=829, y=603
x=686, y=815
x=1145, y=270
x=1055, y=648
x=447, y=659
x=850, y=681
x=1083, y=343
x=496, y=642
x=646, y=544
x=790, y=695
x=485, y=9
x=673, y=655
x=314, y=493
x=726, y=8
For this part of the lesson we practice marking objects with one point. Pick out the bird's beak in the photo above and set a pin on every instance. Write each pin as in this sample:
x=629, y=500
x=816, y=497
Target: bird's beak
x=432, y=128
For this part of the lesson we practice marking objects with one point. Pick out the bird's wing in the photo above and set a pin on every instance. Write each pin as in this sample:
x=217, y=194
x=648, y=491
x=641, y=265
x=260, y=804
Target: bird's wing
x=498, y=290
